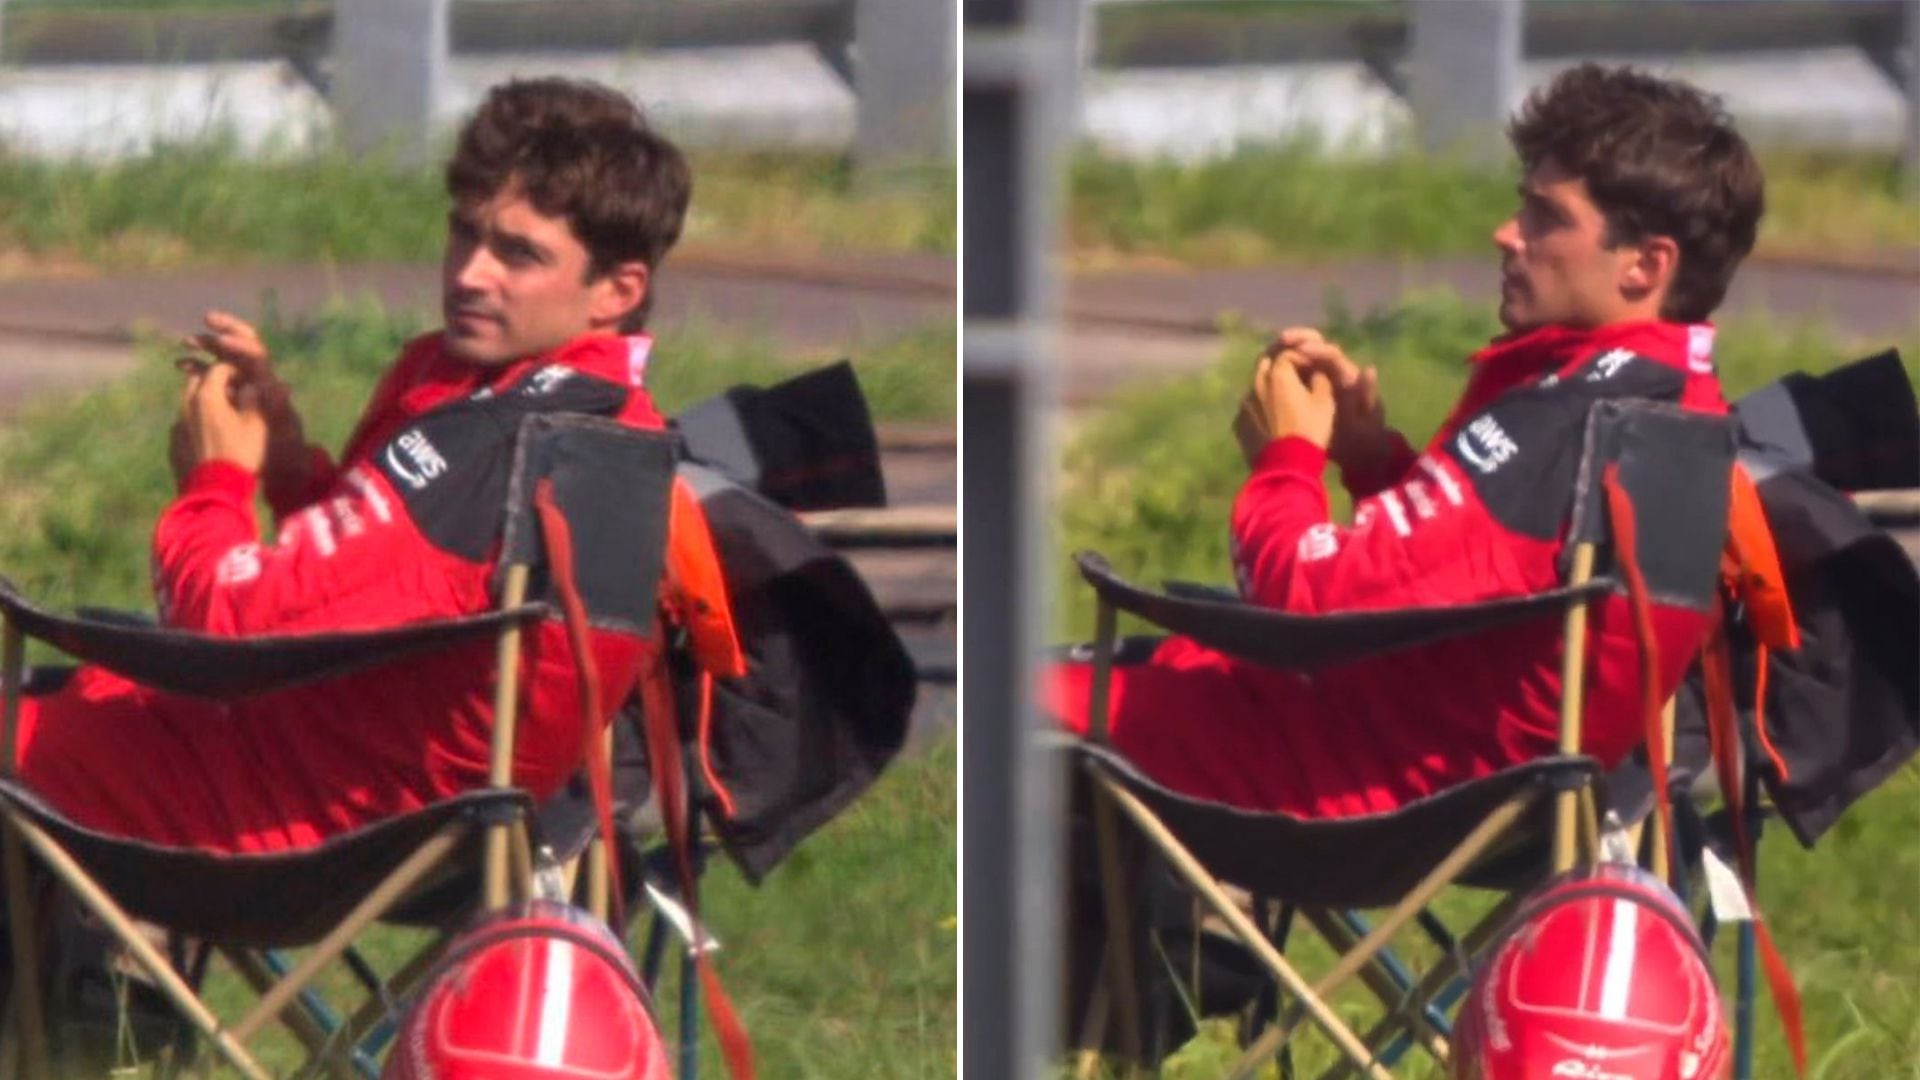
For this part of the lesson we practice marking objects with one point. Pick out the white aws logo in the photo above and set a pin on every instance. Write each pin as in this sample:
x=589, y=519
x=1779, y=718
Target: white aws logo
x=426, y=462
x=1486, y=444
x=1609, y=363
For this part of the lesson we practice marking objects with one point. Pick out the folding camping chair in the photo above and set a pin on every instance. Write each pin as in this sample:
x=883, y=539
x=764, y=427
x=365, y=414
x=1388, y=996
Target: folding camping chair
x=611, y=482
x=1674, y=468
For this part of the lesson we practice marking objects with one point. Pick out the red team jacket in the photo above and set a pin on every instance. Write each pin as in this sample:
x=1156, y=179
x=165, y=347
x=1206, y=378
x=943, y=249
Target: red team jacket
x=1479, y=515
x=405, y=528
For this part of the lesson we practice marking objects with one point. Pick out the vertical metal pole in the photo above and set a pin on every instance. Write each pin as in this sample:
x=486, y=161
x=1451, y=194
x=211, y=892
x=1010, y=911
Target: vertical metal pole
x=506, y=700
x=1018, y=98
x=904, y=82
x=390, y=63
x=1747, y=939
x=1912, y=160
x=1465, y=74
x=1573, y=667
x=29, y=1019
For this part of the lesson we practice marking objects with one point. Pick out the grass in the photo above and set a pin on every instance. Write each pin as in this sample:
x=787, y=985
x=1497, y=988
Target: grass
x=203, y=203
x=842, y=963
x=1149, y=480
x=1302, y=201
x=60, y=549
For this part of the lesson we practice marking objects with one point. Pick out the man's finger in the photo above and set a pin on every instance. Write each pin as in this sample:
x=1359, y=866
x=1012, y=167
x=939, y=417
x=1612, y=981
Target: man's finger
x=1285, y=379
x=1321, y=388
x=190, y=389
x=1330, y=358
x=1295, y=336
x=215, y=388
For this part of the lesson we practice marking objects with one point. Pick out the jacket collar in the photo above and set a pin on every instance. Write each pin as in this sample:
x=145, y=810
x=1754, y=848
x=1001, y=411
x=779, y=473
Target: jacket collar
x=1686, y=347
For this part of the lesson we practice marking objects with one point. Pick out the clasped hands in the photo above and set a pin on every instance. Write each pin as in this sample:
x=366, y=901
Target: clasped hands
x=1305, y=386
x=235, y=409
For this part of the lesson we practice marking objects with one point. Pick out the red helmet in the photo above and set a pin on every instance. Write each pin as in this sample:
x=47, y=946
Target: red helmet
x=1599, y=977
x=542, y=991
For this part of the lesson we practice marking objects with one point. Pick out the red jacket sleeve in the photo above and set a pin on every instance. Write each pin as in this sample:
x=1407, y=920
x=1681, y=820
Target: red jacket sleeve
x=1361, y=484
x=1426, y=540
x=353, y=559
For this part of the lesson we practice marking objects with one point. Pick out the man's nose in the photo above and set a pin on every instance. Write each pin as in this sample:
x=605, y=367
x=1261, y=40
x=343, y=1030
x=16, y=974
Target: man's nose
x=477, y=271
x=1507, y=236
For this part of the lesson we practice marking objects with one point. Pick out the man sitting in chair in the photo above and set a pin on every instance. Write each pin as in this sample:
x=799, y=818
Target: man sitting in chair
x=564, y=203
x=1637, y=203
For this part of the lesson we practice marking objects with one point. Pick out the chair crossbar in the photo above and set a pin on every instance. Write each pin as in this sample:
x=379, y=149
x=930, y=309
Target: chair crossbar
x=1490, y=829
x=310, y=1024
x=122, y=926
x=384, y=895
x=378, y=1009
x=1242, y=925
x=1390, y=982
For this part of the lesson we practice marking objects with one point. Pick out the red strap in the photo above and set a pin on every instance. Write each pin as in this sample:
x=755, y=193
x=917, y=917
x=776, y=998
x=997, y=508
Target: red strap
x=663, y=753
x=1627, y=557
x=558, y=537
x=706, y=746
x=1723, y=731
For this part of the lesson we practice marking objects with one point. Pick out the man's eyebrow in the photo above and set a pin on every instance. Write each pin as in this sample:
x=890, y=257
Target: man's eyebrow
x=520, y=242
x=1539, y=198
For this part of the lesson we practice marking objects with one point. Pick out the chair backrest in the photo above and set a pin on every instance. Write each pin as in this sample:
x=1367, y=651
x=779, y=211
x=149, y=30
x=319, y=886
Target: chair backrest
x=1675, y=467
x=613, y=485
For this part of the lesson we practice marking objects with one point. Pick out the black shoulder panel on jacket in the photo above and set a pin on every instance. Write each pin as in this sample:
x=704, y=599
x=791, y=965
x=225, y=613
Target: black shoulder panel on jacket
x=1522, y=452
x=451, y=466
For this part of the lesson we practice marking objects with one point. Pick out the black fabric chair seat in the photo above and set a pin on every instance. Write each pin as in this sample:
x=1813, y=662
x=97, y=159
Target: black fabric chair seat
x=1373, y=860
x=225, y=668
x=276, y=900
x=1264, y=635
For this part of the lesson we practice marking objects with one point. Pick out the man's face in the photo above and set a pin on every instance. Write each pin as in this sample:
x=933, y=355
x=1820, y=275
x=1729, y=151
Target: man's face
x=514, y=282
x=1555, y=267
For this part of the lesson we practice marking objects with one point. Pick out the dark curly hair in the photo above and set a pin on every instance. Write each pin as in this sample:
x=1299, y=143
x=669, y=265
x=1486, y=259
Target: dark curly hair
x=1660, y=158
x=583, y=152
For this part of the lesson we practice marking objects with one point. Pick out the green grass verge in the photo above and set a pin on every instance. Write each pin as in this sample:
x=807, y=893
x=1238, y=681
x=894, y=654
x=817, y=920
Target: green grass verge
x=204, y=203
x=76, y=467
x=1302, y=200
x=1149, y=480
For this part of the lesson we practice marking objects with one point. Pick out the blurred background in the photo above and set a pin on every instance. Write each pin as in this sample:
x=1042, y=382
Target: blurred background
x=281, y=160
x=1184, y=177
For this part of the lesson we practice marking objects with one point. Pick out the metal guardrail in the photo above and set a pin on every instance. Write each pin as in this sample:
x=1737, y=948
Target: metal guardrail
x=382, y=64
x=55, y=36
x=1164, y=35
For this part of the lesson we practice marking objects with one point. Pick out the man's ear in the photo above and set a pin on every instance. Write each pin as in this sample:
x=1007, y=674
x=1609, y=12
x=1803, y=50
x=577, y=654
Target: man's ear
x=618, y=292
x=1650, y=267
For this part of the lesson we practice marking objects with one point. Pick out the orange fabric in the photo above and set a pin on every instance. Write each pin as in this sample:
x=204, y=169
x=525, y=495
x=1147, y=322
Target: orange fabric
x=1753, y=569
x=696, y=600
x=697, y=590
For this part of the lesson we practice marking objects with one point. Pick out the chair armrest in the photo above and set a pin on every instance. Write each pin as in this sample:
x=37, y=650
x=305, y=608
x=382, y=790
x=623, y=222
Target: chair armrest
x=210, y=666
x=1275, y=638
